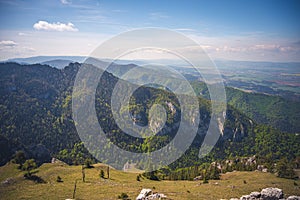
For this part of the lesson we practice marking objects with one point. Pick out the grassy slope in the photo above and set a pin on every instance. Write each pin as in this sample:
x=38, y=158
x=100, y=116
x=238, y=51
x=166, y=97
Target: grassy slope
x=96, y=188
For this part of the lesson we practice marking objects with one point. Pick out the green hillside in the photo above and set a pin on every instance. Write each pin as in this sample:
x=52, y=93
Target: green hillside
x=274, y=111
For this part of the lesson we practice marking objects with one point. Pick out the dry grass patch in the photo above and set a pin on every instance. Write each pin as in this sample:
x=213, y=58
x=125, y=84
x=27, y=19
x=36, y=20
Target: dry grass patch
x=232, y=184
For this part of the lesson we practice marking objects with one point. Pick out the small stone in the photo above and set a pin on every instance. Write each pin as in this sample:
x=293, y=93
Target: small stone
x=293, y=198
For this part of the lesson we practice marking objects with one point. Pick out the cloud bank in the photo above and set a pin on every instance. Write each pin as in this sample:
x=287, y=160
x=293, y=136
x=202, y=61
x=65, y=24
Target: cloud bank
x=8, y=43
x=43, y=25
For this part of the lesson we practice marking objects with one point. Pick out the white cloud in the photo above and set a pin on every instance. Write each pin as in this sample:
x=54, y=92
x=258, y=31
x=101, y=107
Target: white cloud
x=36, y=43
x=66, y=1
x=7, y=43
x=43, y=25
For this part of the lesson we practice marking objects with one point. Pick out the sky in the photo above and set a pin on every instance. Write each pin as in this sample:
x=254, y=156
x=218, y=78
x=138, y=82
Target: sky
x=252, y=30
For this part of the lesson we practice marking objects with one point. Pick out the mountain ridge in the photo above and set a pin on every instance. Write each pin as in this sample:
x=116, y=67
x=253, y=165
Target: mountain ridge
x=36, y=113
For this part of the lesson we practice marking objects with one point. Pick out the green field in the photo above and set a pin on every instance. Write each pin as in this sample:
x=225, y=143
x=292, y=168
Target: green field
x=232, y=184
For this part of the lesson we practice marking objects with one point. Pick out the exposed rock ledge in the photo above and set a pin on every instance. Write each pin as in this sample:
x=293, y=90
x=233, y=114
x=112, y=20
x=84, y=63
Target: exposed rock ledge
x=267, y=194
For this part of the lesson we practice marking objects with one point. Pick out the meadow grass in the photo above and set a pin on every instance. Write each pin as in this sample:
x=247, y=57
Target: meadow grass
x=233, y=184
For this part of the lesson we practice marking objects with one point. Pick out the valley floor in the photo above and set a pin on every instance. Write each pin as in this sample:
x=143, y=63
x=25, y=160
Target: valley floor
x=234, y=184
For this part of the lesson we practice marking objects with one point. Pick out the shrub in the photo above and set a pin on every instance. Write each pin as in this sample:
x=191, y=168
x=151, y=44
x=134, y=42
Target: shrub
x=151, y=175
x=28, y=166
x=19, y=158
x=123, y=196
x=88, y=163
x=101, y=174
x=59, y=179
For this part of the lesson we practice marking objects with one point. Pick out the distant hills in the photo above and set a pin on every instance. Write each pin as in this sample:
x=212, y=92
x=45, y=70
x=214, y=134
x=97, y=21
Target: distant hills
x=43, y=59
x=273, y=78
x=58, y=63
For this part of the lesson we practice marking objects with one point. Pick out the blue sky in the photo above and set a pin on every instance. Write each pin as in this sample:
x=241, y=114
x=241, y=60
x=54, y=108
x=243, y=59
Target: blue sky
x=267, y=30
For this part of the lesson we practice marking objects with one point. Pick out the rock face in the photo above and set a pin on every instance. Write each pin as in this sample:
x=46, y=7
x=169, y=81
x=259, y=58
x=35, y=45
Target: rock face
x=267, y=194
x=271, y=194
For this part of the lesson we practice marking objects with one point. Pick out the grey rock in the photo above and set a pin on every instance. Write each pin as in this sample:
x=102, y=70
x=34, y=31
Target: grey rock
x=271, y=194
x=293, y=198
x=8, y=181
x=251, y=196
x=255, y=194
x=267, y=194
x=248, y=197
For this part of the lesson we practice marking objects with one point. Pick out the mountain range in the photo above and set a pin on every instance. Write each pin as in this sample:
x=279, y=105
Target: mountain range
x=36, y=117
x=272, y=78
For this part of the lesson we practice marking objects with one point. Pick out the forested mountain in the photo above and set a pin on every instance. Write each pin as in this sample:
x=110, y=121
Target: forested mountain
x=32, y=108
x=274, y=111
x=36, y=117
